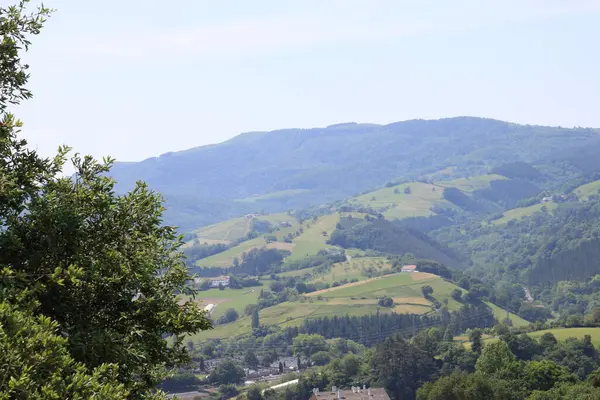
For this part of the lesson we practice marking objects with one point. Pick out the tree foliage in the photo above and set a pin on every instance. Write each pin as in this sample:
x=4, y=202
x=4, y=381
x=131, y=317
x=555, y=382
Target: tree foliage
x=91, y=274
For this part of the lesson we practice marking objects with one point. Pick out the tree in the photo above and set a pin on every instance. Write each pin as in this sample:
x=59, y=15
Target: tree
x=427, y=291
x=321, y=358
x=280, y=367
x=254, y=393
x=459, y=386
x=544, y=374
x=475, y=338
x=231, y=315
x=228, y=391
x=227, y=372
x=255, y=320
x=456, y=294
x=250, y=309
x=250, y=360
x=77, y=259
x=548, y=340
x=495, y=358
x=307, y=345
x=407, y=190
x=401, y=367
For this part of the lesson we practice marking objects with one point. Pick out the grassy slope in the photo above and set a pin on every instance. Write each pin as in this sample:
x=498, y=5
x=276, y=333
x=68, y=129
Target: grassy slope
x=237, y=299
x=233, y=229
x=585, y=191
x=282, y=194
x=565, y=333
x=308, y=243
x=559, y=333
x=400, y=205
x=423, y=196
x=352, y=299
x=500, y=315
x=472, y=184
x=518, y=213
x=312, y=239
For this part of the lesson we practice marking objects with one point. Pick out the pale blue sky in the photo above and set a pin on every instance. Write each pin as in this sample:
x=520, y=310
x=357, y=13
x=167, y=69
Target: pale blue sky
x=134, y=79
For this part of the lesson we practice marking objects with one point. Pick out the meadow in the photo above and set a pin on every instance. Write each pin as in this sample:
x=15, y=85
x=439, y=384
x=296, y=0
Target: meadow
x=585, y=191
x=396, y=204
x=522, y=212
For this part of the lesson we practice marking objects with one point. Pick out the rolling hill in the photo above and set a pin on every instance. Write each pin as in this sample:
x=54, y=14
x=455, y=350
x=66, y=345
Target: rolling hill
x=357, y=299
x=296, y=168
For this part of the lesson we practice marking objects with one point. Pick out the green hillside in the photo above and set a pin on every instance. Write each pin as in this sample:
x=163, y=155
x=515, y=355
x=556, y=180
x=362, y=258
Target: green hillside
x=522, y=212
x=351, y=299
x=236, y=228
x=310, y=240
x=565, y=333
x=472, y=184
x=203, y=185
x=394, y=203
x=585, y=191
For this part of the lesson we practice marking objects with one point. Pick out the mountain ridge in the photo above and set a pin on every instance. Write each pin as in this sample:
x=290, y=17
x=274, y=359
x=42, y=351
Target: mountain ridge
x=334, y=162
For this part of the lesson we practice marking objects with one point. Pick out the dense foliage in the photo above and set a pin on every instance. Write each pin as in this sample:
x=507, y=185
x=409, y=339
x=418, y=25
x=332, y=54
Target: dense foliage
x=88, y=280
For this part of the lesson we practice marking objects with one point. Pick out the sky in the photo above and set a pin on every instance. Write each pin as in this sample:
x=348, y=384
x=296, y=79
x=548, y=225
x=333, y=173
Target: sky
x=135, y=79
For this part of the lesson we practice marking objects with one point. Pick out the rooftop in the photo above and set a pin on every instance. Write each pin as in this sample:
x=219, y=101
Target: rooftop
x=356, y=393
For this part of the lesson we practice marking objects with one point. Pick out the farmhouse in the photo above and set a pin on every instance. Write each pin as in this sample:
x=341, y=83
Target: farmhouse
x=220, y=280
x=356, y=393
x=409, y=268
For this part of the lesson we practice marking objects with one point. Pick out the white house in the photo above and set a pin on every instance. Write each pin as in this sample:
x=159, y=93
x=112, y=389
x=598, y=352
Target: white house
x=409, y=268
x=220, y=280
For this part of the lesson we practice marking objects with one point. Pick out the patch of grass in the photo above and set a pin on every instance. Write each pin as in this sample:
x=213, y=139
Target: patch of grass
x=354, y=299
x=565, y=333
x=225, y=232
x=237, y=299
x=500, y=315
x=354, y=269
x=312, y=240
x=402, y=287
x=474, y=183
x=397, y=204
x=518, y=213
x=585, y=191
x=282, y=194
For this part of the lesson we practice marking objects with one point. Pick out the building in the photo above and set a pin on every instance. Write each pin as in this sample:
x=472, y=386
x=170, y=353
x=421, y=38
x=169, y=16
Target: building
x=355, y=393
x=409, y=268
x=219, y=280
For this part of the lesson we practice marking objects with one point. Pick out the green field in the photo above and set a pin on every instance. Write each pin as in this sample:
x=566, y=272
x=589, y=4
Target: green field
x=500, y=315
x=585, y=191
x=236, y=228
x=237, y=299
x=356, y=268
x=404, y=288
x=308, y=243
x=472, y=184
x=565, y=333
x=395, y=204
x=353, y=299
x=518, y=213
x=282, y=194
x=560, y=334
x=223, y=232
x=312, y=239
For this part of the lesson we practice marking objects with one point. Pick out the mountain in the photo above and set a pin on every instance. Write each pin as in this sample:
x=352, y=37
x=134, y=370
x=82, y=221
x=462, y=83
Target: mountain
x=296, y=168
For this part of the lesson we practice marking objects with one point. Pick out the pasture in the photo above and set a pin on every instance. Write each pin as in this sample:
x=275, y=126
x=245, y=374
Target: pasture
x=394, y=203
x=585, y=191
x=518, y=213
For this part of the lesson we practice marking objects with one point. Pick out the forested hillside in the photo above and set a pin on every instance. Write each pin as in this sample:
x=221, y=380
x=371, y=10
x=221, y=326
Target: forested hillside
x=294, y=168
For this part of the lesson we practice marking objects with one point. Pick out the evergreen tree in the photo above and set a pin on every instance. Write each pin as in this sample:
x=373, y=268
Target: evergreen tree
x=476, y=344
x=255, y=320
